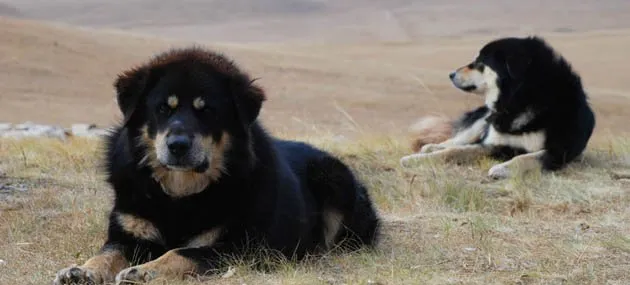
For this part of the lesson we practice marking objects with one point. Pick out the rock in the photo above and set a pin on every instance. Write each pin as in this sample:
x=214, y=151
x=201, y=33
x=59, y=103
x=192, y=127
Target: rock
x=23, y=126
x=99, y=132
x=28, y=130
x=82, y=129
x=87, y=130
x=47, y=131
x=14, y=134
x=5, y=127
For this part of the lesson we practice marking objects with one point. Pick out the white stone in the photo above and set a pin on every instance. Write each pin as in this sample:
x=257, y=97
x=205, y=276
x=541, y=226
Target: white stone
x=82, y=129
x=24, y=126
x=5, y=127
x=99, y=133
x=35, y=131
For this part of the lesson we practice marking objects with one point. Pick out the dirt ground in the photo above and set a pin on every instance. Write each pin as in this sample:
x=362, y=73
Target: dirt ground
x=63, y=75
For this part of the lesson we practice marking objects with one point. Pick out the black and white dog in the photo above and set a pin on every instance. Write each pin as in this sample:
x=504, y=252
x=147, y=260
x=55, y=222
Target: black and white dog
x=536, y=113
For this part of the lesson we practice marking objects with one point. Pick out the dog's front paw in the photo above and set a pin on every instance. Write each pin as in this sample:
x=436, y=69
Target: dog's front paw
x=77, y=275
x=500, y=171
x=429, y=148
x=135, y=275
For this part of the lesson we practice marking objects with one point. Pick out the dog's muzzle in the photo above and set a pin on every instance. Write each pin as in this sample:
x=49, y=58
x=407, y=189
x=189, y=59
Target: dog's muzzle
x=181, y=151
x=467, y=79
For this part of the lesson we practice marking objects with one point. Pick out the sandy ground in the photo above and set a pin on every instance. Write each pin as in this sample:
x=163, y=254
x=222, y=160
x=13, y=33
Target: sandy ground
x=53, y=73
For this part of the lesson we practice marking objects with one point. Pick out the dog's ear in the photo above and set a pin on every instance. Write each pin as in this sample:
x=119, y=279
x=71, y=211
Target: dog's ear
x=130, y=87
x=517, y=65
x=248, y=100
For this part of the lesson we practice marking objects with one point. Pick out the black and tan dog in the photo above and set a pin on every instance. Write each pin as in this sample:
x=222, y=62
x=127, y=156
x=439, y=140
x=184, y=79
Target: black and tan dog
x=196, y=178
x=536, y=113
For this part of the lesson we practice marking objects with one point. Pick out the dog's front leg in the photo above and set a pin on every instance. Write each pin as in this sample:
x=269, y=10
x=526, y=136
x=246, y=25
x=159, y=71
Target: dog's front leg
x=176, y=264
x=517, y=165
x=100, y=269
x=131, y=239
x=464, y=137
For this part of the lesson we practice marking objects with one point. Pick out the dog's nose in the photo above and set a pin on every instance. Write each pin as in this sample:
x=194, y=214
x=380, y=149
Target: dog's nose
x=452, y=75
x=178, y=145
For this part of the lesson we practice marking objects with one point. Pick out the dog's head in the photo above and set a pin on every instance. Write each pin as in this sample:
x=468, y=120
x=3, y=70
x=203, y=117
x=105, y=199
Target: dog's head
x=186, y=106
x=500, y=64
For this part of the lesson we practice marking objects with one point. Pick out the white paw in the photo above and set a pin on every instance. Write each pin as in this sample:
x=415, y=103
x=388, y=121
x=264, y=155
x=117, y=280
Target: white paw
x=499, y=171
x=77, y=275
x=135, y=275
x=429, y=148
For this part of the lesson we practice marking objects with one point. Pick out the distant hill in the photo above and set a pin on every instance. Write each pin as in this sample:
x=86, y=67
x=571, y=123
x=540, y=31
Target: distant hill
x=329, y=20
x=8, y=10
x=61, y=74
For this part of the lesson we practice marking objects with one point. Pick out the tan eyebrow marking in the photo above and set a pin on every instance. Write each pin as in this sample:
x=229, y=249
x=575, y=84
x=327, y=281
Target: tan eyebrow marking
x=199, y=103
x=172, y=101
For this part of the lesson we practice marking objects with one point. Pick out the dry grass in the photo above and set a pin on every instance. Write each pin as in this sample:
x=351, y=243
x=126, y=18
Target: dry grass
x=444, y=224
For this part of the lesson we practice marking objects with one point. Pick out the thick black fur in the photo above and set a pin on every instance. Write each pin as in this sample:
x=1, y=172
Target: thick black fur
x=272, y=193
x=532, y=76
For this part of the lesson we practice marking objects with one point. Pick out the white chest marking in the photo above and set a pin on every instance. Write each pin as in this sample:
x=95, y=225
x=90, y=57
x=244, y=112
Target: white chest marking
x=471, y=134
x=492, y=90
x=492, y=96
x=522, y=120
x=531, y=142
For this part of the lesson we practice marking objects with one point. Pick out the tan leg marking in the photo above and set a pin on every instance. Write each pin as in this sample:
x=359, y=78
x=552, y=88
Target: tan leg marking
x=139, y=227
x=205, y=239
x=99, y=269
x=462, y=153
x=517, y=165
x=172, y=101
x=332, y=224
x=199, y=103
x=170, y=265
x=218, y=159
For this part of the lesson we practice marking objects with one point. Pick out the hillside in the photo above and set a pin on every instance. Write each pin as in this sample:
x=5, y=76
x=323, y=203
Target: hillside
x=60, y=74
x=311, y=20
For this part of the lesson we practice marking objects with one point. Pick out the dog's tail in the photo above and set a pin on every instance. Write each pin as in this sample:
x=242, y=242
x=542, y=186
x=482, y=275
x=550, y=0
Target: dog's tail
x=430, y=129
